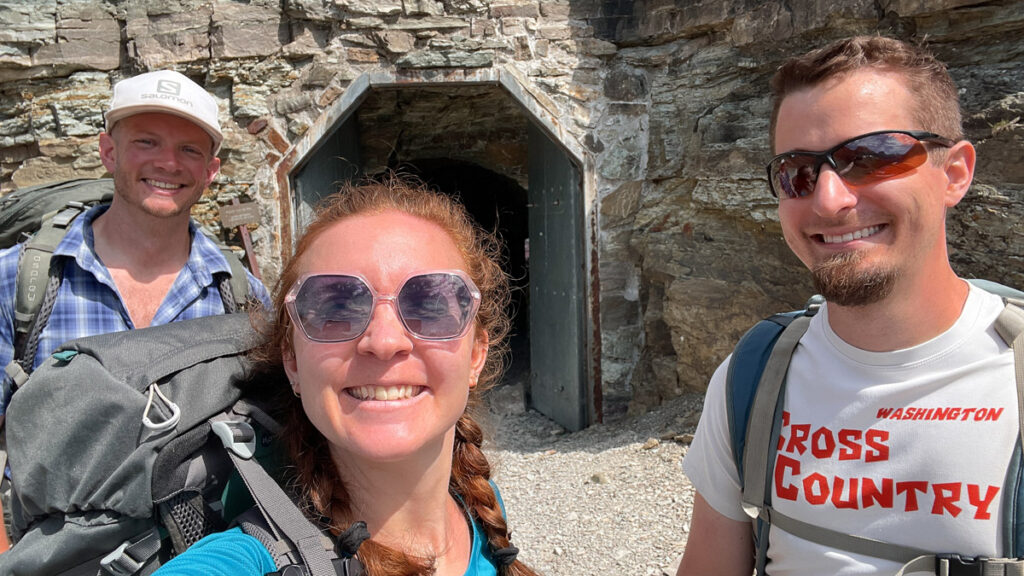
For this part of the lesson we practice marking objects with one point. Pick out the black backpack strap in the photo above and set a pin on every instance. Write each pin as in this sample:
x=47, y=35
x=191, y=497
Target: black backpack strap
x=254, y=524
x=227, y=296
x=233, y=287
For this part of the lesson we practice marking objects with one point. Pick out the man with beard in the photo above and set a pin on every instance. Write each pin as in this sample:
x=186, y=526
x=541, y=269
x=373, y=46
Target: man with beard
x=899, y=416
x=139, y=261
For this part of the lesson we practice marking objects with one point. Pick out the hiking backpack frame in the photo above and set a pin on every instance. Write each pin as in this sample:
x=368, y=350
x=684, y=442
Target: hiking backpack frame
x=755, y=393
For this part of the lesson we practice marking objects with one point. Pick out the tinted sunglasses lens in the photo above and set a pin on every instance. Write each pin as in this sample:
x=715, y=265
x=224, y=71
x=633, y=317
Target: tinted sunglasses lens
x=794, y=176
x=333, y=308
x=878, y=157
x=436, y=306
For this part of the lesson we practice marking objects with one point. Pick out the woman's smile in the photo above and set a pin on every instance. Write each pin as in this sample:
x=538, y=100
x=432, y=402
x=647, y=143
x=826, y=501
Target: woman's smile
x=384, y=393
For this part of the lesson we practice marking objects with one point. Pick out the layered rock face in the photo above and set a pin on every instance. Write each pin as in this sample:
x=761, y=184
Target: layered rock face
x=666, y=101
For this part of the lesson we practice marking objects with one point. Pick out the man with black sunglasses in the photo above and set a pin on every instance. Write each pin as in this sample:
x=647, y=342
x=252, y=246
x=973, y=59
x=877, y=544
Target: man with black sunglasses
x=898, y=416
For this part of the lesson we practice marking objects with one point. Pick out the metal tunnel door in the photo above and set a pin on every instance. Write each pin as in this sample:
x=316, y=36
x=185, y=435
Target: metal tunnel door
x=557, y=297
x=334, y=162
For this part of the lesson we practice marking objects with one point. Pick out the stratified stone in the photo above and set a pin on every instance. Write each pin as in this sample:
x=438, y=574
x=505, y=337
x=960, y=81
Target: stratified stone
x=245, y=30
x=395, y=41
x=158, y=36
x=454, y=59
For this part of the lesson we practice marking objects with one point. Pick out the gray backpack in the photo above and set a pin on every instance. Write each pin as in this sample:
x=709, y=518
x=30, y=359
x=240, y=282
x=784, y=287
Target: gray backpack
x=127, y=448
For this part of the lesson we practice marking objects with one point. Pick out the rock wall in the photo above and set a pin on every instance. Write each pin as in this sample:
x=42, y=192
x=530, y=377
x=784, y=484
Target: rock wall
x=668, y=100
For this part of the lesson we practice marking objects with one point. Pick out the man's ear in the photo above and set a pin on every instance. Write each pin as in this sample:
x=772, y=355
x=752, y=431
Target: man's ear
x=108, y=154
x=211, y=170
x=479, y=357
x=959, y=168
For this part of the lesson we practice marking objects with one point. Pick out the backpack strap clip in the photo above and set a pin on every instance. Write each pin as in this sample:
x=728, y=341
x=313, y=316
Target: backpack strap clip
x=64, y=218
x=128, y=558
x=957, y=565
x=16, y=372
x=237, y=436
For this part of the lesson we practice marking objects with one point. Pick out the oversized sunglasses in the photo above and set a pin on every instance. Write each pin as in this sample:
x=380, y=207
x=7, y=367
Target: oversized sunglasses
x=861, y=160
x=338, y=307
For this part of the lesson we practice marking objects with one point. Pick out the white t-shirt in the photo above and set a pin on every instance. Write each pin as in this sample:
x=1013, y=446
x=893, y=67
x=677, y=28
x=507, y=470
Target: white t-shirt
x=909, y=447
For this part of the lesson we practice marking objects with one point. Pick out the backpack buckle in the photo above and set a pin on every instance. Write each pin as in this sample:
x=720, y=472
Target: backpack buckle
x=237, y=436
x=957, y=565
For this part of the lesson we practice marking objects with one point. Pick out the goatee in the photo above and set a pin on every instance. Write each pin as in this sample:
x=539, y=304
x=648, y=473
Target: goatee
x=842, y=281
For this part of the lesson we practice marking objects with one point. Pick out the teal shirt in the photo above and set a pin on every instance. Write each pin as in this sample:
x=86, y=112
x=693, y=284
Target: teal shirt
x=234, y=553
x=227, y=553
x=480, y=563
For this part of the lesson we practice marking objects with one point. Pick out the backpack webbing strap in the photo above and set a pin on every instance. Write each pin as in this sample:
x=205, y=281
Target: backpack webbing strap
x=238, y=287
x=748, y=361
x=913, y=559
x=279, y=509
x=239, y=279
x=1010, y=326
x=233, y=288
x=842, y=541
x=131, y=556
x=759, y=455
x=276, y=505
x=762, y=430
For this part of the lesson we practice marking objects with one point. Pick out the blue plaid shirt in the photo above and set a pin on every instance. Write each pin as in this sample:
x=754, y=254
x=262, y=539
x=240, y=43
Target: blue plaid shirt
x=88, y=302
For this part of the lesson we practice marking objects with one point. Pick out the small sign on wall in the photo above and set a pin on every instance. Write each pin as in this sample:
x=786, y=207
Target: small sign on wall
x=234, y=215
x=241, y=215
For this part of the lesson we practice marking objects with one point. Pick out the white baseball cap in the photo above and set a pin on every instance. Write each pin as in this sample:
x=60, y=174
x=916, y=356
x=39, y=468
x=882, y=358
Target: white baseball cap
x=169, y=92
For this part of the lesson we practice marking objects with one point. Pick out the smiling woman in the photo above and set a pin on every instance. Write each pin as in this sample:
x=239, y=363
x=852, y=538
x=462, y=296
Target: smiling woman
x=389, y=322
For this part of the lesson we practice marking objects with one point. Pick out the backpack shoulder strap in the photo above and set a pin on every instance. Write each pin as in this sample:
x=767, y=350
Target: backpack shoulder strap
x=749, y=359
x=238, y=285
x=234, y=290
x=744, y=374
x=34, y=263
x=1010, y=327
x=757, y=359
x=38, y=279
x=284, y=517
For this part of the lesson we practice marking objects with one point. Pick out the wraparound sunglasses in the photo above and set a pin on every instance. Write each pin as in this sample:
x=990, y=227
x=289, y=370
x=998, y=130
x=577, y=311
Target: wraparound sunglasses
x=861, y=160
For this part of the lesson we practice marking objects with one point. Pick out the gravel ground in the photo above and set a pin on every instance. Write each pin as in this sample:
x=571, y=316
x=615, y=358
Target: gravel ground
x=608, y=499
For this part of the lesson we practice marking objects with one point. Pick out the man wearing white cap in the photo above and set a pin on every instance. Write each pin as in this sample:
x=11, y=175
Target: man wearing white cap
x=140, y=261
